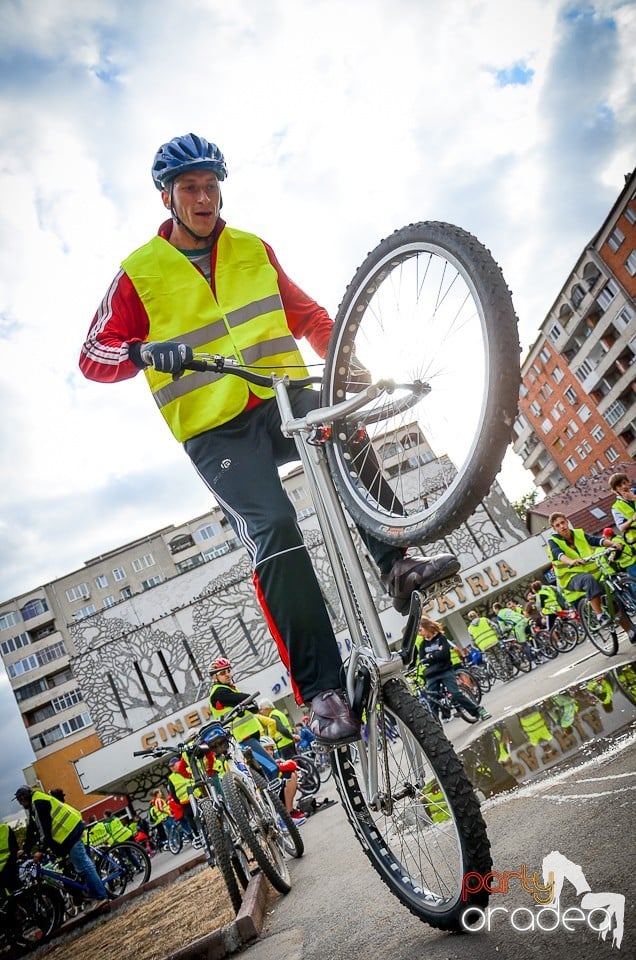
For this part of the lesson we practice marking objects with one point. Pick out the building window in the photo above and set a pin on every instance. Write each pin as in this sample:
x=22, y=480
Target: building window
x=9, y=619
x=597, y=432
x=623, y=319
x=140, y=563
x=571, y=429
x=583, y=372
x=614, y=412
x=207, y=532
x=555, y=332
x=33, y=609
x=577, y=295
x=546, y=426
x=607, y=294
x=216, y=551
x=523, y=390
x=30, y=690
x=612, y=455
x=615, y=239
x=75, y=723
x=101, y=581
x=84, y=612
x=557, y=374
x=546, y=390
x=195, y=561
x=126, y=593
x=570, y=464
x=630, y=214
x=119, y=574
x=15, y=643
x=67, y=700
x=630, y=264
x=298, y=493
x=571, y=395
x=151, y=582
x=584, y=413
x=535, y=408
x=584, y=449
x=79, y=592
x=545, y=354
x=109, y=601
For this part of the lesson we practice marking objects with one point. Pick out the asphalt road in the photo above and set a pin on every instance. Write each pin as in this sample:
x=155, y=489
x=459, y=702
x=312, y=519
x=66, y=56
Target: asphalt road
x=338, y=908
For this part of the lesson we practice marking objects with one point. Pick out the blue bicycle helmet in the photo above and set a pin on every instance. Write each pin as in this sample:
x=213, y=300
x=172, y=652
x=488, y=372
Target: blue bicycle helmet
x=186, y=153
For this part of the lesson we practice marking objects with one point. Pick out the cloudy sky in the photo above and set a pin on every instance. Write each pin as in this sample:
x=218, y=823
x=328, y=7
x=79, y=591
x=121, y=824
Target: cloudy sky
x=340, y=120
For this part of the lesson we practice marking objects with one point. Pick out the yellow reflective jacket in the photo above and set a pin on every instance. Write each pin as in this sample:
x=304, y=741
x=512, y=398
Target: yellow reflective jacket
x=243, y=318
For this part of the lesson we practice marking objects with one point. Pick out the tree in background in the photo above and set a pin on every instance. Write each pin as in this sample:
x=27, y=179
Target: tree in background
x=524, y=503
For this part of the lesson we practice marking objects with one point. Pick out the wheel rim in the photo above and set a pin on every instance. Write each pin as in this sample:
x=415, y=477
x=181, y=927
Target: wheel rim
x=417, y=317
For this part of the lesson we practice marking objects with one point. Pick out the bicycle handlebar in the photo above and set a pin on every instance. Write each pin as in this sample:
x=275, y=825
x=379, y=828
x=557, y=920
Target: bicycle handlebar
x=215, y=363
x=192, y=742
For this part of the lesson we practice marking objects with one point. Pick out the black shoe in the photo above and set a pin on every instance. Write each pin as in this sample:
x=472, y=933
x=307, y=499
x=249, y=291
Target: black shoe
x=331, y=720
x=417, y=573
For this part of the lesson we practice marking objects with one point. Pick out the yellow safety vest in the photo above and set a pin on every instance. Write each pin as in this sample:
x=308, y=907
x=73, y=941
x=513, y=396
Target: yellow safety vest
x=96, y=833
x=483, y=634
x=243, y=319
x=281, y=739
x=627, y=510
x=180, y=784
x=64, y=818
x=535, y=727
x=4, y=844
x=159, y=811
x=242, y=727
x=548, y=599
x=117, y=830
x=579, y=548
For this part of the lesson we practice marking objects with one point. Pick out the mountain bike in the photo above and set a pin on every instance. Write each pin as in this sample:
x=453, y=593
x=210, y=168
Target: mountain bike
x=618, y=602
x=320, y=760
x=408, y=459
x=239, y=817
x=443, y=704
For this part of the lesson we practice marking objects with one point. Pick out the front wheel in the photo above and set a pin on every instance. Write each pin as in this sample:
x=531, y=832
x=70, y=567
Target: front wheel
x=564, y=636
x=223, y=850
x=308, y=776
x=290, y=835
x=423, y=832
x=428, y=307
x=259, y=830
x=134, y=860
x=604, y=637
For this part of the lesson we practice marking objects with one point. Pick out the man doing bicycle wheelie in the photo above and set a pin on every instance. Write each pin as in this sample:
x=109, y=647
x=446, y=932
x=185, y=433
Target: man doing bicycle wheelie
x=203, y=285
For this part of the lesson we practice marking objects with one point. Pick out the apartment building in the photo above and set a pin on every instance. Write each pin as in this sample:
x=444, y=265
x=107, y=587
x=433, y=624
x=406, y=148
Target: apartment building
x=577, y=409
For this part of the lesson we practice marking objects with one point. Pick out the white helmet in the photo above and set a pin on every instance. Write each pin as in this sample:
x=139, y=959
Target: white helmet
x=265, y=704
x=267, y=742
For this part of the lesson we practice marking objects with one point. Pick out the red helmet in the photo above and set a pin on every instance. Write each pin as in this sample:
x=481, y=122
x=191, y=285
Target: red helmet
x=221, y=663
x=608, y=532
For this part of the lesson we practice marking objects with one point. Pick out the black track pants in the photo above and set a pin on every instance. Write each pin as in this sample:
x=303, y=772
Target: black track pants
x=239, y=463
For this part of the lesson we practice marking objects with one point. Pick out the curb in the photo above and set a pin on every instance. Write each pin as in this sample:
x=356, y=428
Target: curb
x=233, y=936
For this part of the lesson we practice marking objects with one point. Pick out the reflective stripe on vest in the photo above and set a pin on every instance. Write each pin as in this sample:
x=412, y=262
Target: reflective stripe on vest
x=118, y=830
x=245, y=320
x=580, y=548
x=548, y=599
x=97, y=833
x=64, y=818
x=483, y=634
x=242, y=727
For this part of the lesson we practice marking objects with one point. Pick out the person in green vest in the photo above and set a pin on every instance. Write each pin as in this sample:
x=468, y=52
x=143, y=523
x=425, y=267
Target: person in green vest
x=624, y=516
x=547, y=601
x=485, y=637
x=224, y=695
x=284, y=737
x=57, y=828
x=9, y=874
x=116, y=828
x=576, y=575
x=204, y=285
x=96, y=833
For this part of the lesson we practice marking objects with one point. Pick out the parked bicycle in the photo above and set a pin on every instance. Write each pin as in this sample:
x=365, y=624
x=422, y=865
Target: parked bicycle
x=444, y=705
x=27, y=918
x=618, y=604
x=320, y=760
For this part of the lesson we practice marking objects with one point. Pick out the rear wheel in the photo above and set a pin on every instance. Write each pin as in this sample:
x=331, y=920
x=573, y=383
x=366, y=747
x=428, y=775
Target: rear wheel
x=428, y=306
x=35, y=915
x=308, y=776
x=135, y=860
x=626, y=595
x=259, y=829
x=175, y=838
x=521, y=659
x=222, y=851
x=563, y=636
x=423, y=833
x=468, y=684
x=604, y=638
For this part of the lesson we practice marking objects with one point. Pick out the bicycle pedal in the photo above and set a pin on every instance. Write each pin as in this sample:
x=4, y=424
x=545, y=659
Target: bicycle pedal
x=442, y=586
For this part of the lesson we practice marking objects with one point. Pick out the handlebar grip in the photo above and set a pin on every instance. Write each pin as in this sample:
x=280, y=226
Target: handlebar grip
x=142, y=753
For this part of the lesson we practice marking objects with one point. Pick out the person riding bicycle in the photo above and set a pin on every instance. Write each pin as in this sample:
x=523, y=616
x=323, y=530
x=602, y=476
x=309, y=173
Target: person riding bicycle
x=512, y=618
x=58, y=828
x=485, y=637
x=624, y=516
x=435, y=652
x=201, y=284
x=547, y=601
x=577, y=576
